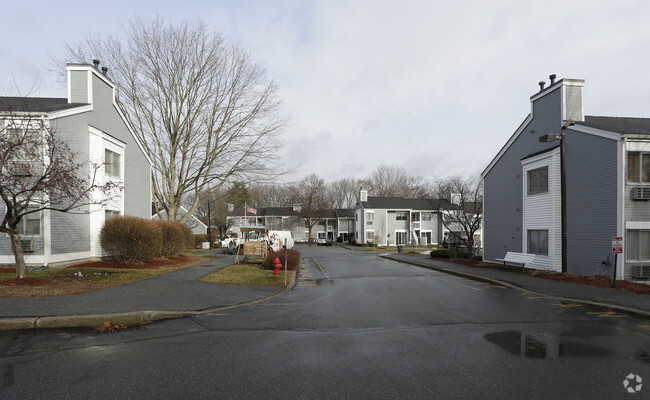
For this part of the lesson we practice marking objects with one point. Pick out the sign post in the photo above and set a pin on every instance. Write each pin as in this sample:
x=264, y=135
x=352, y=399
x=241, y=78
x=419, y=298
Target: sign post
x=617, y=248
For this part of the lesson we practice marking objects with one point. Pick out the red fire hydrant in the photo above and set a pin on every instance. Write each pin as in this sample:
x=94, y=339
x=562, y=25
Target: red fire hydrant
x=276, y=266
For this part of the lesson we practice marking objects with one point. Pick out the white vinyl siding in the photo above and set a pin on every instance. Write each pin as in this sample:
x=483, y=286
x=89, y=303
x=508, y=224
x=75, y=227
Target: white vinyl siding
x=542, y=210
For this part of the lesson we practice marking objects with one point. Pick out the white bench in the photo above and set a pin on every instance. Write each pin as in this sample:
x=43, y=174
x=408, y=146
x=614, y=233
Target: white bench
x=517, y=258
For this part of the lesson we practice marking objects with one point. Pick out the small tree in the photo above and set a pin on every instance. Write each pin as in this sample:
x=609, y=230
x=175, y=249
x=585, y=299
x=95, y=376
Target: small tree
x=39, y=171
x=461, y=204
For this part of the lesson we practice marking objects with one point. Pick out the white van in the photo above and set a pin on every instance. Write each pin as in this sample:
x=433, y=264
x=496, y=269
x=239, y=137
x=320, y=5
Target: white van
x=277, y=237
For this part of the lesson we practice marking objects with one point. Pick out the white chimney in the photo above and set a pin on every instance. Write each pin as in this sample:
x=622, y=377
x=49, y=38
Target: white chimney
x=363, y=195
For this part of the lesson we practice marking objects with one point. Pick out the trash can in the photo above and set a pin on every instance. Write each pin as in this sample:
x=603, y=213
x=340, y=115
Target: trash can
x=400, y=249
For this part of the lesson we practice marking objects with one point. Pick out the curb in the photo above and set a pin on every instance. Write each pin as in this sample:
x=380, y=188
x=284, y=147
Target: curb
x=133, y=318
x=613, y=307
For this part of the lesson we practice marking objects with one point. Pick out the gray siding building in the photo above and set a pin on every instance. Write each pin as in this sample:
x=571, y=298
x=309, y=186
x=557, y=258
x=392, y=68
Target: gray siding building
x=397, y=221
x=92, y=124
x=605, y=188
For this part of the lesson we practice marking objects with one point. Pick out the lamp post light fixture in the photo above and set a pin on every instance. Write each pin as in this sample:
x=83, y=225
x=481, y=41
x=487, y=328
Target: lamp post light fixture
x=549, y=137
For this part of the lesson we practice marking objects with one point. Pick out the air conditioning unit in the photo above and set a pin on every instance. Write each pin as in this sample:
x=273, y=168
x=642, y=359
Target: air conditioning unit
x=20, y=168
x=641, y=193
x=27, y=245
x=642, y=271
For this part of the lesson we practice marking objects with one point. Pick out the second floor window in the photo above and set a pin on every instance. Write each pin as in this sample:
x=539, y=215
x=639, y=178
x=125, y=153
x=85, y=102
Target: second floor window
x=112, y=163
x=638, y=167
x=538, y=180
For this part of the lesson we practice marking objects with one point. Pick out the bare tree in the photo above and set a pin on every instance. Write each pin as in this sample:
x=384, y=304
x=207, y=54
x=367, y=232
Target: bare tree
x=311, y=195
x=271, y=195
x=393, y=181
x=344, y=192
x=461, y=204
x=39, y=171
x=221, y=204
x=203, y=109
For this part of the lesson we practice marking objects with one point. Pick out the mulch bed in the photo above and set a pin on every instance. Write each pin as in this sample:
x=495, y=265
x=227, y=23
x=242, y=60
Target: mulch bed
x=590, y=280
x=23, y=282
x=155, y=263
x=598, y=281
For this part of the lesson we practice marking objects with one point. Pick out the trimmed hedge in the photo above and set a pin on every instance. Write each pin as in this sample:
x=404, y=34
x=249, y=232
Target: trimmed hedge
x=173, y=239
x=200, y=238
x=188, y=235
x=451, y=254
x=293, y=259
x=131, y=239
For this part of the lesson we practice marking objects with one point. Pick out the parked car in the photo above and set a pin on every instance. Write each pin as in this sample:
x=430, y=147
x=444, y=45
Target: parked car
x=324, y=242
x=229, y=244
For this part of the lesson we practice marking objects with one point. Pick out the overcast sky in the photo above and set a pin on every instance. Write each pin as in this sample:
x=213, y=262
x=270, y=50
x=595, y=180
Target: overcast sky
x=436, y=87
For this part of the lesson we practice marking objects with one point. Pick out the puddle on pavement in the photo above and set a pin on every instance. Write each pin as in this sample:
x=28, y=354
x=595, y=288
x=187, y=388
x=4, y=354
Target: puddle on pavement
x=543, y=345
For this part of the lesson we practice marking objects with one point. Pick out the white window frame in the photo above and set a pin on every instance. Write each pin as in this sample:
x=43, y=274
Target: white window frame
x=641, y=155
x=633, y=256
x=109, y=165
x=32, y=216
x=535, y=171
x=530, y=242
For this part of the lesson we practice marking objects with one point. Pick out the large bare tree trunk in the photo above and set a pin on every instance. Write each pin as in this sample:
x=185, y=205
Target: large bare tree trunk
x=21, y=271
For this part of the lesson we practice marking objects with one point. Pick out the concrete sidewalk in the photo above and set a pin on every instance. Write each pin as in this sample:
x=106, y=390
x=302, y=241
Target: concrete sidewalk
x=609, y=298
x=173, y=295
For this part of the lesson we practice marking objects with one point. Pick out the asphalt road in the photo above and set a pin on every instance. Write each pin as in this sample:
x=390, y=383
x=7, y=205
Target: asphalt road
x=355, y=327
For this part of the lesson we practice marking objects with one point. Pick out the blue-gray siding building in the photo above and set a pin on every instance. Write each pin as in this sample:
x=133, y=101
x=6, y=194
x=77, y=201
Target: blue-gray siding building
x=607, y=169
x=90, y=121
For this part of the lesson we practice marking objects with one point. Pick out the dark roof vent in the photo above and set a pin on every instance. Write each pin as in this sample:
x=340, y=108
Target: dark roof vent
x=552, y=78
x=104, y=70
x=541, y=85
x=96, y=63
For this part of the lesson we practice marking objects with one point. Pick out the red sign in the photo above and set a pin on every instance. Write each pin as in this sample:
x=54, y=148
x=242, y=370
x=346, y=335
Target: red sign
x=617, y=245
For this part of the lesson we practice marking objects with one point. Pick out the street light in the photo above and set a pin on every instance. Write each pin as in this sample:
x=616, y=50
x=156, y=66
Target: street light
x=549, y=137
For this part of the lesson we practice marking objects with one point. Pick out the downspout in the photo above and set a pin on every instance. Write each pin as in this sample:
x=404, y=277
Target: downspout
x=620, y=203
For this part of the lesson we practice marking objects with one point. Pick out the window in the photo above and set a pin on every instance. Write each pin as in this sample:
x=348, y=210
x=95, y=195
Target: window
x=426, y=217
x=538, y=242
x=30, y=224
x=112, y=163
x=401, y=216
x=27, y=144
x=638, y=245
x=369, y=218
x=370, y=236
x=538, y=180
x=110, y=213
x=638, y=167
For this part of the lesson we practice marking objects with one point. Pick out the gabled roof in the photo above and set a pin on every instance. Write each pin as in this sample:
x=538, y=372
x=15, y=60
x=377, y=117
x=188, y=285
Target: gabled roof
x=289, y=212
x=623, y=125
x=345, y=213
x=400, y=203
x=36, y=104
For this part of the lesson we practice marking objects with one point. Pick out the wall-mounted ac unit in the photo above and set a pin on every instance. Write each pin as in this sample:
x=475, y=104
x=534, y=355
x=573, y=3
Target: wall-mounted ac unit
x=641, y=193
x=642, y=271
x=27, y=245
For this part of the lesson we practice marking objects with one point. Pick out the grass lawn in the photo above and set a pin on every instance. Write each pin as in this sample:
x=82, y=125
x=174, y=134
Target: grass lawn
x=247, y=275
x=88, y=277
